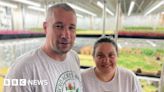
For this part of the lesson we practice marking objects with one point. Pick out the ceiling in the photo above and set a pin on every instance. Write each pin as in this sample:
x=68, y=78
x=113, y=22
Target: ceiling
x=140, y=6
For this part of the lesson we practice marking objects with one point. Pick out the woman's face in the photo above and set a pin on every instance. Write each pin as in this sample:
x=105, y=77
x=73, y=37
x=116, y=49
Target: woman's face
x=105, y=57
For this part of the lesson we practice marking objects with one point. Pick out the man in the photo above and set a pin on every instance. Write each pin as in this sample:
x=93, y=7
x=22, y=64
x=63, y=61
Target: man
x=54, y=67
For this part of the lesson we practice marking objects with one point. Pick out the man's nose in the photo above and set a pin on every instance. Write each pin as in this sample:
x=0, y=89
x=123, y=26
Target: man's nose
x=65, y=33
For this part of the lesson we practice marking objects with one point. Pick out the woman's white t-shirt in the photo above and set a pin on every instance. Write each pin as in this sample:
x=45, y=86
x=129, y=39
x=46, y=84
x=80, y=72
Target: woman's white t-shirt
x=123, y=81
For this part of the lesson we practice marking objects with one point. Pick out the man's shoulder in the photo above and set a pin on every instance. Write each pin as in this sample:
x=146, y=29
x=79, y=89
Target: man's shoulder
x=23, y=65
x=26, y=59
x=28, y=56
x=72, y=52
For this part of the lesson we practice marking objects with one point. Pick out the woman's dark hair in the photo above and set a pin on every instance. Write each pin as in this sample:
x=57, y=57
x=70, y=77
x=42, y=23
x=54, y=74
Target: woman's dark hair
x=106, y=39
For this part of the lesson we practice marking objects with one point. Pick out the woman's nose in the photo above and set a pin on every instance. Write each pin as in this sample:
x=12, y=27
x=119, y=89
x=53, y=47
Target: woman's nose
x=106, y=59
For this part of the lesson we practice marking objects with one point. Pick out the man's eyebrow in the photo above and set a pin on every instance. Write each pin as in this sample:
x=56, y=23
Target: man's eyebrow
x=62, y=23
x=73, y=25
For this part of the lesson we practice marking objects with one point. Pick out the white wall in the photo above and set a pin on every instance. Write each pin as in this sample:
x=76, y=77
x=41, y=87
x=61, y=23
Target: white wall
x=149, y=21
x=21, y=20
x=34, y=19
x=5, y=18
x=97, y=23
x=17, y=19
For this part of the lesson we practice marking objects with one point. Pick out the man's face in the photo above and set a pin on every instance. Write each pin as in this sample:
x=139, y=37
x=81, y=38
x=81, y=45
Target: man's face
x=61, y=31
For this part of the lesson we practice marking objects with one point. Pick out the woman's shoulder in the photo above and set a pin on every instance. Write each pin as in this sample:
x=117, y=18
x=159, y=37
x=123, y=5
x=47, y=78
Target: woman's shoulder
x=125, y=72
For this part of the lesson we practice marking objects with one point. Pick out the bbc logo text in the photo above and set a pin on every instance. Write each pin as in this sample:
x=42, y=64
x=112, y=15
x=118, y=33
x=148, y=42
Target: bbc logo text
x=24, y=82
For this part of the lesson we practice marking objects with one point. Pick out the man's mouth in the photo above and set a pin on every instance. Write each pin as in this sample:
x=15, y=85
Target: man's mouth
x=64, y=43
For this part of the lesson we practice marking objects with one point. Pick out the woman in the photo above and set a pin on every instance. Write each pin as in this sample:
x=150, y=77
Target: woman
x=106, y=76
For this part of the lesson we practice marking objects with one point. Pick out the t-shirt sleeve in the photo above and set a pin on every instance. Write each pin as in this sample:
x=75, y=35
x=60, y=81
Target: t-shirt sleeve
x=136, y=84
x=16, y=77
x=131, y=80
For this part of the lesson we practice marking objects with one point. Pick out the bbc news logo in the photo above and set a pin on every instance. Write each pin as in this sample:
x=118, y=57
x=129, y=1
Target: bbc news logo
x=24, y=82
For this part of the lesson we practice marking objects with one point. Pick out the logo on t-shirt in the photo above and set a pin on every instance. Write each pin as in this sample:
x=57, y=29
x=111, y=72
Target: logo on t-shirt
x=68, y=82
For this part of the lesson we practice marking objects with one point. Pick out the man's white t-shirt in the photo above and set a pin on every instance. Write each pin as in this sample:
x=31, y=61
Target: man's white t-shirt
x=43, y=74
x=123, y=81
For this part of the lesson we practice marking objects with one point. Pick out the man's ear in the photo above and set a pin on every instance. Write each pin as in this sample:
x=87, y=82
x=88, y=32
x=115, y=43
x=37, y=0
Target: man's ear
x=45, y=27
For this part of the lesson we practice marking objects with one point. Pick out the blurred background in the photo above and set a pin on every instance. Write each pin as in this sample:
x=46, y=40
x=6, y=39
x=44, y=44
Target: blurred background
x=136, y=25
